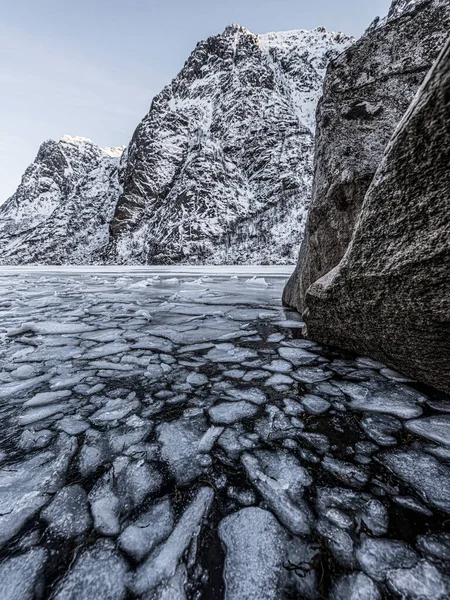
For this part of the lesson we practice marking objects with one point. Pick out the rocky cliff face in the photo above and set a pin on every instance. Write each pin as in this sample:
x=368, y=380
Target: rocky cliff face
x=220, y=169
x=61, y=211
x=366, y=92
x=390, y=295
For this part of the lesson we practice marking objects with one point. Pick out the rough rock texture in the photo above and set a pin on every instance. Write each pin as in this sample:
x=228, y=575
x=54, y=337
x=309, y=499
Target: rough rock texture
x=220, y=169
x=367, y=90
x=61, y=211
x=390, y=295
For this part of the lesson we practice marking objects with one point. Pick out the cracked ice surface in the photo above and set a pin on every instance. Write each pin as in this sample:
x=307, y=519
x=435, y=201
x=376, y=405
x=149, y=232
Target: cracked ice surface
x=171, y=434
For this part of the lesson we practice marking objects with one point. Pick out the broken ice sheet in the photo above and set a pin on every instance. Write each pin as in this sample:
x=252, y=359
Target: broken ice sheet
x=204, y=394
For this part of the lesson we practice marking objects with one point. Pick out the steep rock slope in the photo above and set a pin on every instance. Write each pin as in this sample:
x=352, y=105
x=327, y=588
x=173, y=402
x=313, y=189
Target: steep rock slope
x=366, y=92
x=390, y=295
x=61, y=211
x=223, y=160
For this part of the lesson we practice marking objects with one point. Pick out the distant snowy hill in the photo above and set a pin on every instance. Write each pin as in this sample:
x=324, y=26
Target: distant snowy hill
x=61, y=211
x=218, y=171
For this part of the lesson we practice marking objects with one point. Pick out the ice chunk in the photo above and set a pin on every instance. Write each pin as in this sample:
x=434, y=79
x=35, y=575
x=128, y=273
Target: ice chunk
x=435, y=545
x=234, y=441
x=275, y=338
x=355, y=586
x=99, y=572
x=255, y=547
x=257, y=281
x=68, y=514
x=34, y=415
x=44, y=398
x=179, y=447
x=279, y=380
x=382, y=398
x=34, y=440
x=423, y=581
x=162, y=563
x=197, y=379
x=72, y=425
x=24, y=372
x=102, y=350
x=380, y=429
x=279, y=366
x=412, y=504
x=297, y=356
x=25, y=489
x=290, y=324
x=436, y=428
x=339, y=542
x=13, y=389
x=362, y=508
x=231, y=412
x=314, y=404
x=103, y=335
x=137, y=481
x=21, y=577
x=208, y=440
x=227, y=353
x=114, y=410
x=395, y=376
x=50, y=328
x=378, y=556
x=424, y=473
x=67, y=381
x=105, y=506
x=254, y=395
x=149, y=530
x=311, y=374
x=280, y=479
x=350, y=474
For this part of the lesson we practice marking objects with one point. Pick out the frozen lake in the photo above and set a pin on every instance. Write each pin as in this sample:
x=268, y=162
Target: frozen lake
x=167, y=433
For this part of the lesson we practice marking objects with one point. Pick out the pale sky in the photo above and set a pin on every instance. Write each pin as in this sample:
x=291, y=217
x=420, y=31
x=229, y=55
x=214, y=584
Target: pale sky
x=92, y=67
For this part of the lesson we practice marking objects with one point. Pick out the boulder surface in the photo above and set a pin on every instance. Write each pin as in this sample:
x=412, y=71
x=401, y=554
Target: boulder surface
x=367, y=90
x=389, y=297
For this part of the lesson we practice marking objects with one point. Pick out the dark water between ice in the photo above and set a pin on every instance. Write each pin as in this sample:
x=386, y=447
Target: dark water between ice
x=173, y=437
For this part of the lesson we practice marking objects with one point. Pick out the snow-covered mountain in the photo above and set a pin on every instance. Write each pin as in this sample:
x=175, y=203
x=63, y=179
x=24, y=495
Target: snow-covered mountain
x=61, y=211
x=219, y=170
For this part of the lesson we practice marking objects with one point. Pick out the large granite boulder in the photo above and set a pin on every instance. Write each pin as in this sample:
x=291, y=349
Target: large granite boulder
x=367, y=90
x=389, y=297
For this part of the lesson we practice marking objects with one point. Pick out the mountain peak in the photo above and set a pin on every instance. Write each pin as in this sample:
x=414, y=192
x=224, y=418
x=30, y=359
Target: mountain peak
x=234, y=28
x=75, y=140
